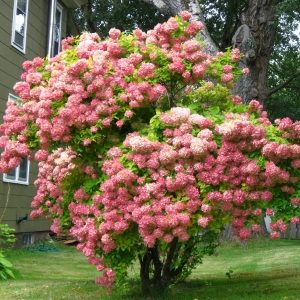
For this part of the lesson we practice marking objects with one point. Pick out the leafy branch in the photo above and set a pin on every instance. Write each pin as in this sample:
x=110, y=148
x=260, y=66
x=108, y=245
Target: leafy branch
x=284, y=83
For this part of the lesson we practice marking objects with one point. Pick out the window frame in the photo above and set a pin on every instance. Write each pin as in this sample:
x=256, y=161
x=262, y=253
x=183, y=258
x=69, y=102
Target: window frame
x=13, y=33
x=60, y=9
x=17, y=169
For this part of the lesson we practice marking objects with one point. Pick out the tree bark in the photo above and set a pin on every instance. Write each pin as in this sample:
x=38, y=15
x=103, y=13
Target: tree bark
x=145, y=262
x=87, y=8
x=156, y=275
x=256, y=46
x=254, y=38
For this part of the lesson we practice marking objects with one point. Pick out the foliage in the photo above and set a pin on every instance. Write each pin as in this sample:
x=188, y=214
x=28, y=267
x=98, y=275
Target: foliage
x=6, y=271
x=283, y=63
x=43, y=246
x=7, y=239
x=222, y=19
x=140, y=156
x=100, y=16
x=286, y=101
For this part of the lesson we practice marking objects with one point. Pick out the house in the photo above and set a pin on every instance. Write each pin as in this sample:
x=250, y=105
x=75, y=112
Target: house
x=28, y=28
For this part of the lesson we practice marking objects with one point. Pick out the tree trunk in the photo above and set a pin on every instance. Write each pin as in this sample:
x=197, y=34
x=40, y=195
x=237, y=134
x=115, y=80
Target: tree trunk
x=254, y=38
x=156, y=275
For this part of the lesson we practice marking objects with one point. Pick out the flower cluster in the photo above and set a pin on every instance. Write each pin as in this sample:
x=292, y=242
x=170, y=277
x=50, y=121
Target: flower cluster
x=53, y=168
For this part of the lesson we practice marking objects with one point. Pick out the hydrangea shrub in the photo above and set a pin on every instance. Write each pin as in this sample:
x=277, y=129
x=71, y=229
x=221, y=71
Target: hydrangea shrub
x=144, y=152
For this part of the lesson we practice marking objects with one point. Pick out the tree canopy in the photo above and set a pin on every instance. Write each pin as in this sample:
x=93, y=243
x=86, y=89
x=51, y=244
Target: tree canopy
x=100, y=16
x=284, y=70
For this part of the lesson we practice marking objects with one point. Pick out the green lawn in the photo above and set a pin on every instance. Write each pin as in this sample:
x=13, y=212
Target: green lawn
x=260, y=270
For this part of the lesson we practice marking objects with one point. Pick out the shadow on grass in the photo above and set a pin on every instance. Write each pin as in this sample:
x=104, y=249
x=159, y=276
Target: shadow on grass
x=283, y=284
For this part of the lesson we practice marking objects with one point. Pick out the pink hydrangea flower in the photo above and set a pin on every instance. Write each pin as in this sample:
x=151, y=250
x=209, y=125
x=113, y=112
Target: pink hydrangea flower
x=246, y=71
x=225, y=78
x=114, y=33
x=203, y=221
x=185, y=15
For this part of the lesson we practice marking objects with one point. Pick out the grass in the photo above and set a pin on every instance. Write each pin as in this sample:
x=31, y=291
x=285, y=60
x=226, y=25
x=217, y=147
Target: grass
x=260, y=269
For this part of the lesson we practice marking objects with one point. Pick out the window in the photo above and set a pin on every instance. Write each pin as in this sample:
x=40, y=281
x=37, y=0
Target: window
x=19, y=26
x=21, y=173
x=56, y=44
x=14, y=98
x=27, y=239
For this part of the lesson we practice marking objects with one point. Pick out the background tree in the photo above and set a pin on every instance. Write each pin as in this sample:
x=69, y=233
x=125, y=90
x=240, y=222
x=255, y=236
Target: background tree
x=223, y=18
x=284, y=65
x=100, y=16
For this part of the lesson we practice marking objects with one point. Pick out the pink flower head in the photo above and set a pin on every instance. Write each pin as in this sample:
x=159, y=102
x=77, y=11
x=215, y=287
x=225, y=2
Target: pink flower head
x=256, y=228
x=199, y=70
x=27, y=65
x=167, y=155
x=177, y=67
x=107, y=279
x=295, y=220
x=200, y=121
x=226, y=77
x=41, y=155
x=139, y=34
x=275, y=235
x=257, y=212
x=94, y=129
x=22, y=89
x=235, y=54
x=139, y=144
x=203, y=221
x=191, y=46
x=186, y=75
x=146, y=70
x=34, y=78
x=246, y=71
x=176, y=116
x=205, y=208
x=227, y=69
x=244, y=233
x=295, y=201
x=185, y=15
x=237, y=99
x=114, y=152
x=80, y=194
x=193, y=28
x=128, y=114
x=106, y=122
x=86, y=142
x=255, y=105
x=120, y=123
x=114, y=33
